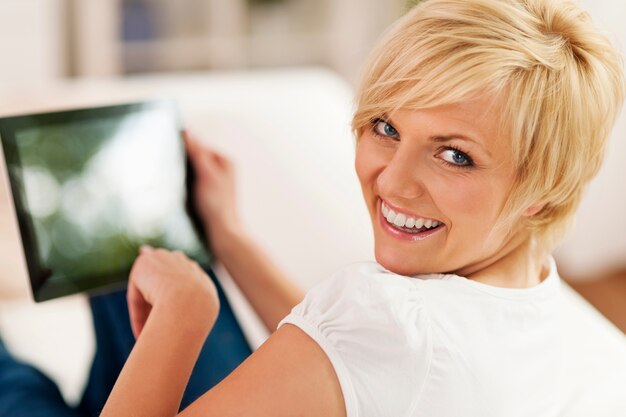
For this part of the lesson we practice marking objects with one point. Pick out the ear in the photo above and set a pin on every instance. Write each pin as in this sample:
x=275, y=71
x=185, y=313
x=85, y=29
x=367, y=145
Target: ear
x=532, y=210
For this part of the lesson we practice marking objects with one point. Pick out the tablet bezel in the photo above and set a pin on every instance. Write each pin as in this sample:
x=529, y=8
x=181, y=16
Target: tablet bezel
x=39, y=274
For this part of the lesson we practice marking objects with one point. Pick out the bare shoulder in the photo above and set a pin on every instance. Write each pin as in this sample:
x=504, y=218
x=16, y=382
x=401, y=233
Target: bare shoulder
x=289, y=375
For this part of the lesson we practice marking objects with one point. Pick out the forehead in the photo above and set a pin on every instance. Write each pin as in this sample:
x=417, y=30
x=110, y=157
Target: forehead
x=477, y=115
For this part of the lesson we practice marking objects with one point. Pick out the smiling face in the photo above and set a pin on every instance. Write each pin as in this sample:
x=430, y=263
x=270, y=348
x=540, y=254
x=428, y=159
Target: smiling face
x=446, y=167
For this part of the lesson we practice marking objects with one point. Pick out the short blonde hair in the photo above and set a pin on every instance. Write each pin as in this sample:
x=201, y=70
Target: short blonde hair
x=561, y=80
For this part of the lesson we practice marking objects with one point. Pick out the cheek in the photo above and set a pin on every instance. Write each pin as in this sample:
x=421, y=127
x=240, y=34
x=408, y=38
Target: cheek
x=470, y=203
x=368, y=162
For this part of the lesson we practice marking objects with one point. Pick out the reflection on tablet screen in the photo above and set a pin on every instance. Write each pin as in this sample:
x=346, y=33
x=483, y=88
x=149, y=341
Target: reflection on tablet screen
x=93, y=188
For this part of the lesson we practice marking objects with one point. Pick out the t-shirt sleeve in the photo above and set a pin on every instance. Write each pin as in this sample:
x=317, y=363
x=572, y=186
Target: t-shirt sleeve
x=375, y=332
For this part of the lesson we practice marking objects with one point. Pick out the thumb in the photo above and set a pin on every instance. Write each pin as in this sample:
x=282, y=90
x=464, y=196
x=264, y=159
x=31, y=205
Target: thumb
x=199, y=156
x=138, y=309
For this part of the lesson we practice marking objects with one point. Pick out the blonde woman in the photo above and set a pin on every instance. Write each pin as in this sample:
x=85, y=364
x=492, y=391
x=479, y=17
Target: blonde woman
x=478, y=125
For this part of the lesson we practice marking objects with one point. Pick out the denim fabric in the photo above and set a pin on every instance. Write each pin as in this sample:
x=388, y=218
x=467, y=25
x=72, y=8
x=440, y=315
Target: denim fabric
x=26, y=392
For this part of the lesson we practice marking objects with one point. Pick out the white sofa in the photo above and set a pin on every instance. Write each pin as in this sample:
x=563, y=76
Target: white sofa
x=289, y=136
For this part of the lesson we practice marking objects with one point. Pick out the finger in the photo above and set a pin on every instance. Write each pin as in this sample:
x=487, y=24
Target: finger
x=162, y=252
x=217, y=157
x=189, y=137
x=180, y=255
x=138, y=309
x=131, y=300
x=149, y=255
x=199, y=155
x=145, y=249
x=223, y=160
x=163, y=258
x=155, y=258
x=197, y=148
x=198, y=268
x=206, y=166
x=193, y=147
x=190, y=143
x=189, y=134
x=206, y=160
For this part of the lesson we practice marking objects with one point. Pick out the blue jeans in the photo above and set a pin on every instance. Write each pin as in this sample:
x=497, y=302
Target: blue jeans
x=26, y=392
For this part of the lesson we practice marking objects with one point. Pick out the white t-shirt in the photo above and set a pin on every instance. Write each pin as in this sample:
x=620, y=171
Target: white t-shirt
x=437, y=345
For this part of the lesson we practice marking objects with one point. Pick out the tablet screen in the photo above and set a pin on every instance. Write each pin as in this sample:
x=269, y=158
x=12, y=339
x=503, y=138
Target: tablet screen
x=91, y=186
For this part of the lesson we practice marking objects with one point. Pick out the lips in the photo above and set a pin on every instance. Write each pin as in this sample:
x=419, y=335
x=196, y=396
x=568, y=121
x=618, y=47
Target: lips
x=406, y=227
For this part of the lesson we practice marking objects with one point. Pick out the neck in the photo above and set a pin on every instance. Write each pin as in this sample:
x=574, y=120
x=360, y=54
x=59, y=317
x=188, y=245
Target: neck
x=516, y=265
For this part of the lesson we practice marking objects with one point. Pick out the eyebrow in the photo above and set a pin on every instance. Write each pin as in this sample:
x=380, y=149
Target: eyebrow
x=444, y=138
x=448, y=138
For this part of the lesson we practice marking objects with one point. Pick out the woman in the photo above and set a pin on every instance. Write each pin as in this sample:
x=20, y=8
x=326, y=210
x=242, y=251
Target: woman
x=478, y=124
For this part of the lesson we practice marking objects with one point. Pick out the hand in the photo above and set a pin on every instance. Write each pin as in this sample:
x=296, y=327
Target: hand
x=215, y=193
x=160, y=278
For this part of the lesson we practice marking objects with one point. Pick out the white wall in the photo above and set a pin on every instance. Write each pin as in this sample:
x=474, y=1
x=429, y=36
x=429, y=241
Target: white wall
x=599, y=240
x=33, y=46
x=31, y=41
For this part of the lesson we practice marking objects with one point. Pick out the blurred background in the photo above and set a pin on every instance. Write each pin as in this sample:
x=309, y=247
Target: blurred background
x=48, y=39
x=273, y=78
x=45, y=41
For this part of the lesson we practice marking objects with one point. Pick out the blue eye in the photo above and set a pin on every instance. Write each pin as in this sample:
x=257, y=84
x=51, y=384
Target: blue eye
x=383, y=128
x=456, y=157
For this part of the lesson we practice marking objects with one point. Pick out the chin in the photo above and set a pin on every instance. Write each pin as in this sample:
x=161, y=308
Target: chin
x=397, y=263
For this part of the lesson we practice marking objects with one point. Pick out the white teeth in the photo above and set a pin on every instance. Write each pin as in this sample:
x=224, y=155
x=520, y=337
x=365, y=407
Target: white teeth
x=402, y=220
x=399, y=220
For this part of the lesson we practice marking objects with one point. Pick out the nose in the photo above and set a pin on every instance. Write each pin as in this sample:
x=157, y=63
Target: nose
x=402, y=177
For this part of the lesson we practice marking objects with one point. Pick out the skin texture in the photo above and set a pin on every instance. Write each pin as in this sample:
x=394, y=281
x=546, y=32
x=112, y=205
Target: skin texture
x=404, y=160
x=408, y=164
x=270, y=292
x=173, y=306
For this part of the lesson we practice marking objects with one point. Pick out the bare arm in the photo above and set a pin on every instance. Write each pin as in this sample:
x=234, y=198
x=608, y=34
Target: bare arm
x=289, y=375
x=157, y=371
x=270, y=292
x=173, y=306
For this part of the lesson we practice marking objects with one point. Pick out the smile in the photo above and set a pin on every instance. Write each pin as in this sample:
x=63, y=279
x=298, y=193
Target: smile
x=407, y=227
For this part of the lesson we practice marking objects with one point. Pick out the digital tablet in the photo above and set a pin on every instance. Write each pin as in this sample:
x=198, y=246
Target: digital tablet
x=91, y=185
